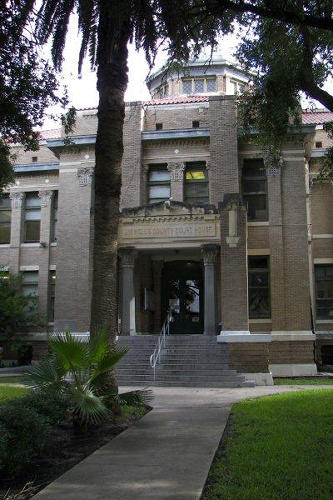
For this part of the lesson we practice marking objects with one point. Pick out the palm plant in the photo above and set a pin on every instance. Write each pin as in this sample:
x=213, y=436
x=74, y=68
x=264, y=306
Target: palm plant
x=82, y=373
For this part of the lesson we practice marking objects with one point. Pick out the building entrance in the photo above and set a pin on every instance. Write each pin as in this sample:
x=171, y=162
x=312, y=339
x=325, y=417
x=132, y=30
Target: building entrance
x=182, y=292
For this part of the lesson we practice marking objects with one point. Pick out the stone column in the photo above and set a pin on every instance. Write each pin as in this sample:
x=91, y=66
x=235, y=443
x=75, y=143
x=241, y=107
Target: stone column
x=127, y=262
x=234, y=286
x=176, y=180
x=16, y=230
x=209, y=253
x=157, y=277
x=44, y=258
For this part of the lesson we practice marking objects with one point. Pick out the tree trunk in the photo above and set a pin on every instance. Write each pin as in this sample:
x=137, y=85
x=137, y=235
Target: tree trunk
x=112, y=77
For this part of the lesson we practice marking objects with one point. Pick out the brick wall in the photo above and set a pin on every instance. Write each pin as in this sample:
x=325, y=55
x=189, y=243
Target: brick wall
x=249, y=357
x=132, y=170
x=177, y=118
x=292, y=352
x=223, y=163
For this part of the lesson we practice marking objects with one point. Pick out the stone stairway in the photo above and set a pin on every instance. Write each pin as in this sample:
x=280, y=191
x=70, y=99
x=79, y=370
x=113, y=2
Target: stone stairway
x=187, y=361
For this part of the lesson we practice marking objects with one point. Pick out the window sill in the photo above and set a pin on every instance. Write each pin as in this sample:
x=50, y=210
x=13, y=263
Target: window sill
x=324, y=321
x=4, y=245
x=53, y=244
x=258, y=223
x=35, y=244
x=260, y=320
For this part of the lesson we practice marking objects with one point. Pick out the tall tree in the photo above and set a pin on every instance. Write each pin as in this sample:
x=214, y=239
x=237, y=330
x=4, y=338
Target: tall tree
x=107, y=26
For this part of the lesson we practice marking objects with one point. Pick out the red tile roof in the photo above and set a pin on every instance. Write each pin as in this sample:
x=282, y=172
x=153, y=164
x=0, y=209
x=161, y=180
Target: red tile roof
x=317, y=116
x=178, y=100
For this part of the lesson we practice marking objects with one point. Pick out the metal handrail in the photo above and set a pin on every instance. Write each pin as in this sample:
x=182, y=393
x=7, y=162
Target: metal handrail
x=155, y=358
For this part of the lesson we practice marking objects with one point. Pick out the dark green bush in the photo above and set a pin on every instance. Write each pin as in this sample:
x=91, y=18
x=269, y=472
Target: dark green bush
x=23, y=435
x=53, y=408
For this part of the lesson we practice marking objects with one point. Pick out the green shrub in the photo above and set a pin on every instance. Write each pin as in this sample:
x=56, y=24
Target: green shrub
x=53, y=408
x=23, y=436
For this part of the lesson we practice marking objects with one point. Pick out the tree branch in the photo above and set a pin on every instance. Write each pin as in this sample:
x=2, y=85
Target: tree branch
x=218, y=8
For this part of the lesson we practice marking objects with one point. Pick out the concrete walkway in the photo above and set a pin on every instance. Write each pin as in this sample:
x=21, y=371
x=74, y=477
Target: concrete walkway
x=166, y=455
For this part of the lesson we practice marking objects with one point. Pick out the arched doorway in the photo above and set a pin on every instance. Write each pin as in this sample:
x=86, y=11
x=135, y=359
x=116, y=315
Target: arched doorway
x=182, y=291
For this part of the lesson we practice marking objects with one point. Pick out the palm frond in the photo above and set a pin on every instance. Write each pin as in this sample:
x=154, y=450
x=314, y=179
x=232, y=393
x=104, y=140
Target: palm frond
x=88, y=407
x=47, y=375
x=70, y=351
x=135, y=398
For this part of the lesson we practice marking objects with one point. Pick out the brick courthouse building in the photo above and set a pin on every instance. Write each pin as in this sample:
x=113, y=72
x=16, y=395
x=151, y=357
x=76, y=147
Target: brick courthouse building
x=241, y=253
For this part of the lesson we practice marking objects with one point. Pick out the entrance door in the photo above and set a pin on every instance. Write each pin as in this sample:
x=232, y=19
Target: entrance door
x=183, y=294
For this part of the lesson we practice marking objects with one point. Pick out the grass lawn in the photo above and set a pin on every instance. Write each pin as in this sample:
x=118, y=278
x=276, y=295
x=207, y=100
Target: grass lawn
x=276, y=447
x=10, y=392
x=303, y=381
x=12, y=380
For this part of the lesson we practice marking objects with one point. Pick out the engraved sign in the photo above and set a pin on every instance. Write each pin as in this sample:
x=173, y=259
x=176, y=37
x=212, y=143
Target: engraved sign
x=179, y=229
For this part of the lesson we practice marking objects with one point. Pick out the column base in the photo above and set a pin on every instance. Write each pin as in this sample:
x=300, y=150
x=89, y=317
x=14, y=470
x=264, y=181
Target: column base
x=259, y=378
x=293, y=370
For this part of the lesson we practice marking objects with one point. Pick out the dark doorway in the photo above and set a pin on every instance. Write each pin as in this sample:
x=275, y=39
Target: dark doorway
x=182, y=292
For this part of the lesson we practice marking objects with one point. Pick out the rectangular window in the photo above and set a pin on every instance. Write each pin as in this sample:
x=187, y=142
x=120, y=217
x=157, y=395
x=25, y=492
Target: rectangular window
x=54, y=216
x=52, y=282
x=196, y=190
x=199, y=85
x=254, y=189
x=187, y=86
x=158, y=183
x=32, y=218
x=5, y=216
x=211, y=84
x=30, y=287
x=324, y=291
x=259, y=287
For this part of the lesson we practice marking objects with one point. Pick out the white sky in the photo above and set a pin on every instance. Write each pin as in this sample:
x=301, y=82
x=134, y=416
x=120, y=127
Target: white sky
x=82, y=91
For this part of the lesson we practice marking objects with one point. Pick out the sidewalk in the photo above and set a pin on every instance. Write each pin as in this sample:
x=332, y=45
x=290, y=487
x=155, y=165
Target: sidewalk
x=166, y=455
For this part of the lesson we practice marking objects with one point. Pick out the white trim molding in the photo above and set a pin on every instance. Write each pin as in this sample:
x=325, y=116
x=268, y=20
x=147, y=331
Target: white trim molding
x=323, y=260
x=29, y=268
x=322, y=236
x=259, y=378
x=259, y=223
x=242, y=337
x=293, y=370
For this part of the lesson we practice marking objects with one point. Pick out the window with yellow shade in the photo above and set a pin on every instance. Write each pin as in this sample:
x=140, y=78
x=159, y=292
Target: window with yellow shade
x=196, y=190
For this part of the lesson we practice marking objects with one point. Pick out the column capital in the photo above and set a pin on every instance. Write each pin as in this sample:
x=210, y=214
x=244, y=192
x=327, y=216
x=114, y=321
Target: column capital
x=209, y=253
x=17, y=198
x=45, y=197
x=127, y=256
x=85, y=175
x=176, y=170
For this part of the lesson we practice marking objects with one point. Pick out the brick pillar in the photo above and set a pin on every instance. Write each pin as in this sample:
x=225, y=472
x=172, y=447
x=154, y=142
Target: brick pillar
x=157, y=284
x=276, y=247
x=295, y=240
x=209, y=253
x=223, y=162
x=17, y=216
x=74, y=240
x=128, y=312
x=132, y=188
x=44, y=258
x=176, y=180
x=234, y=287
